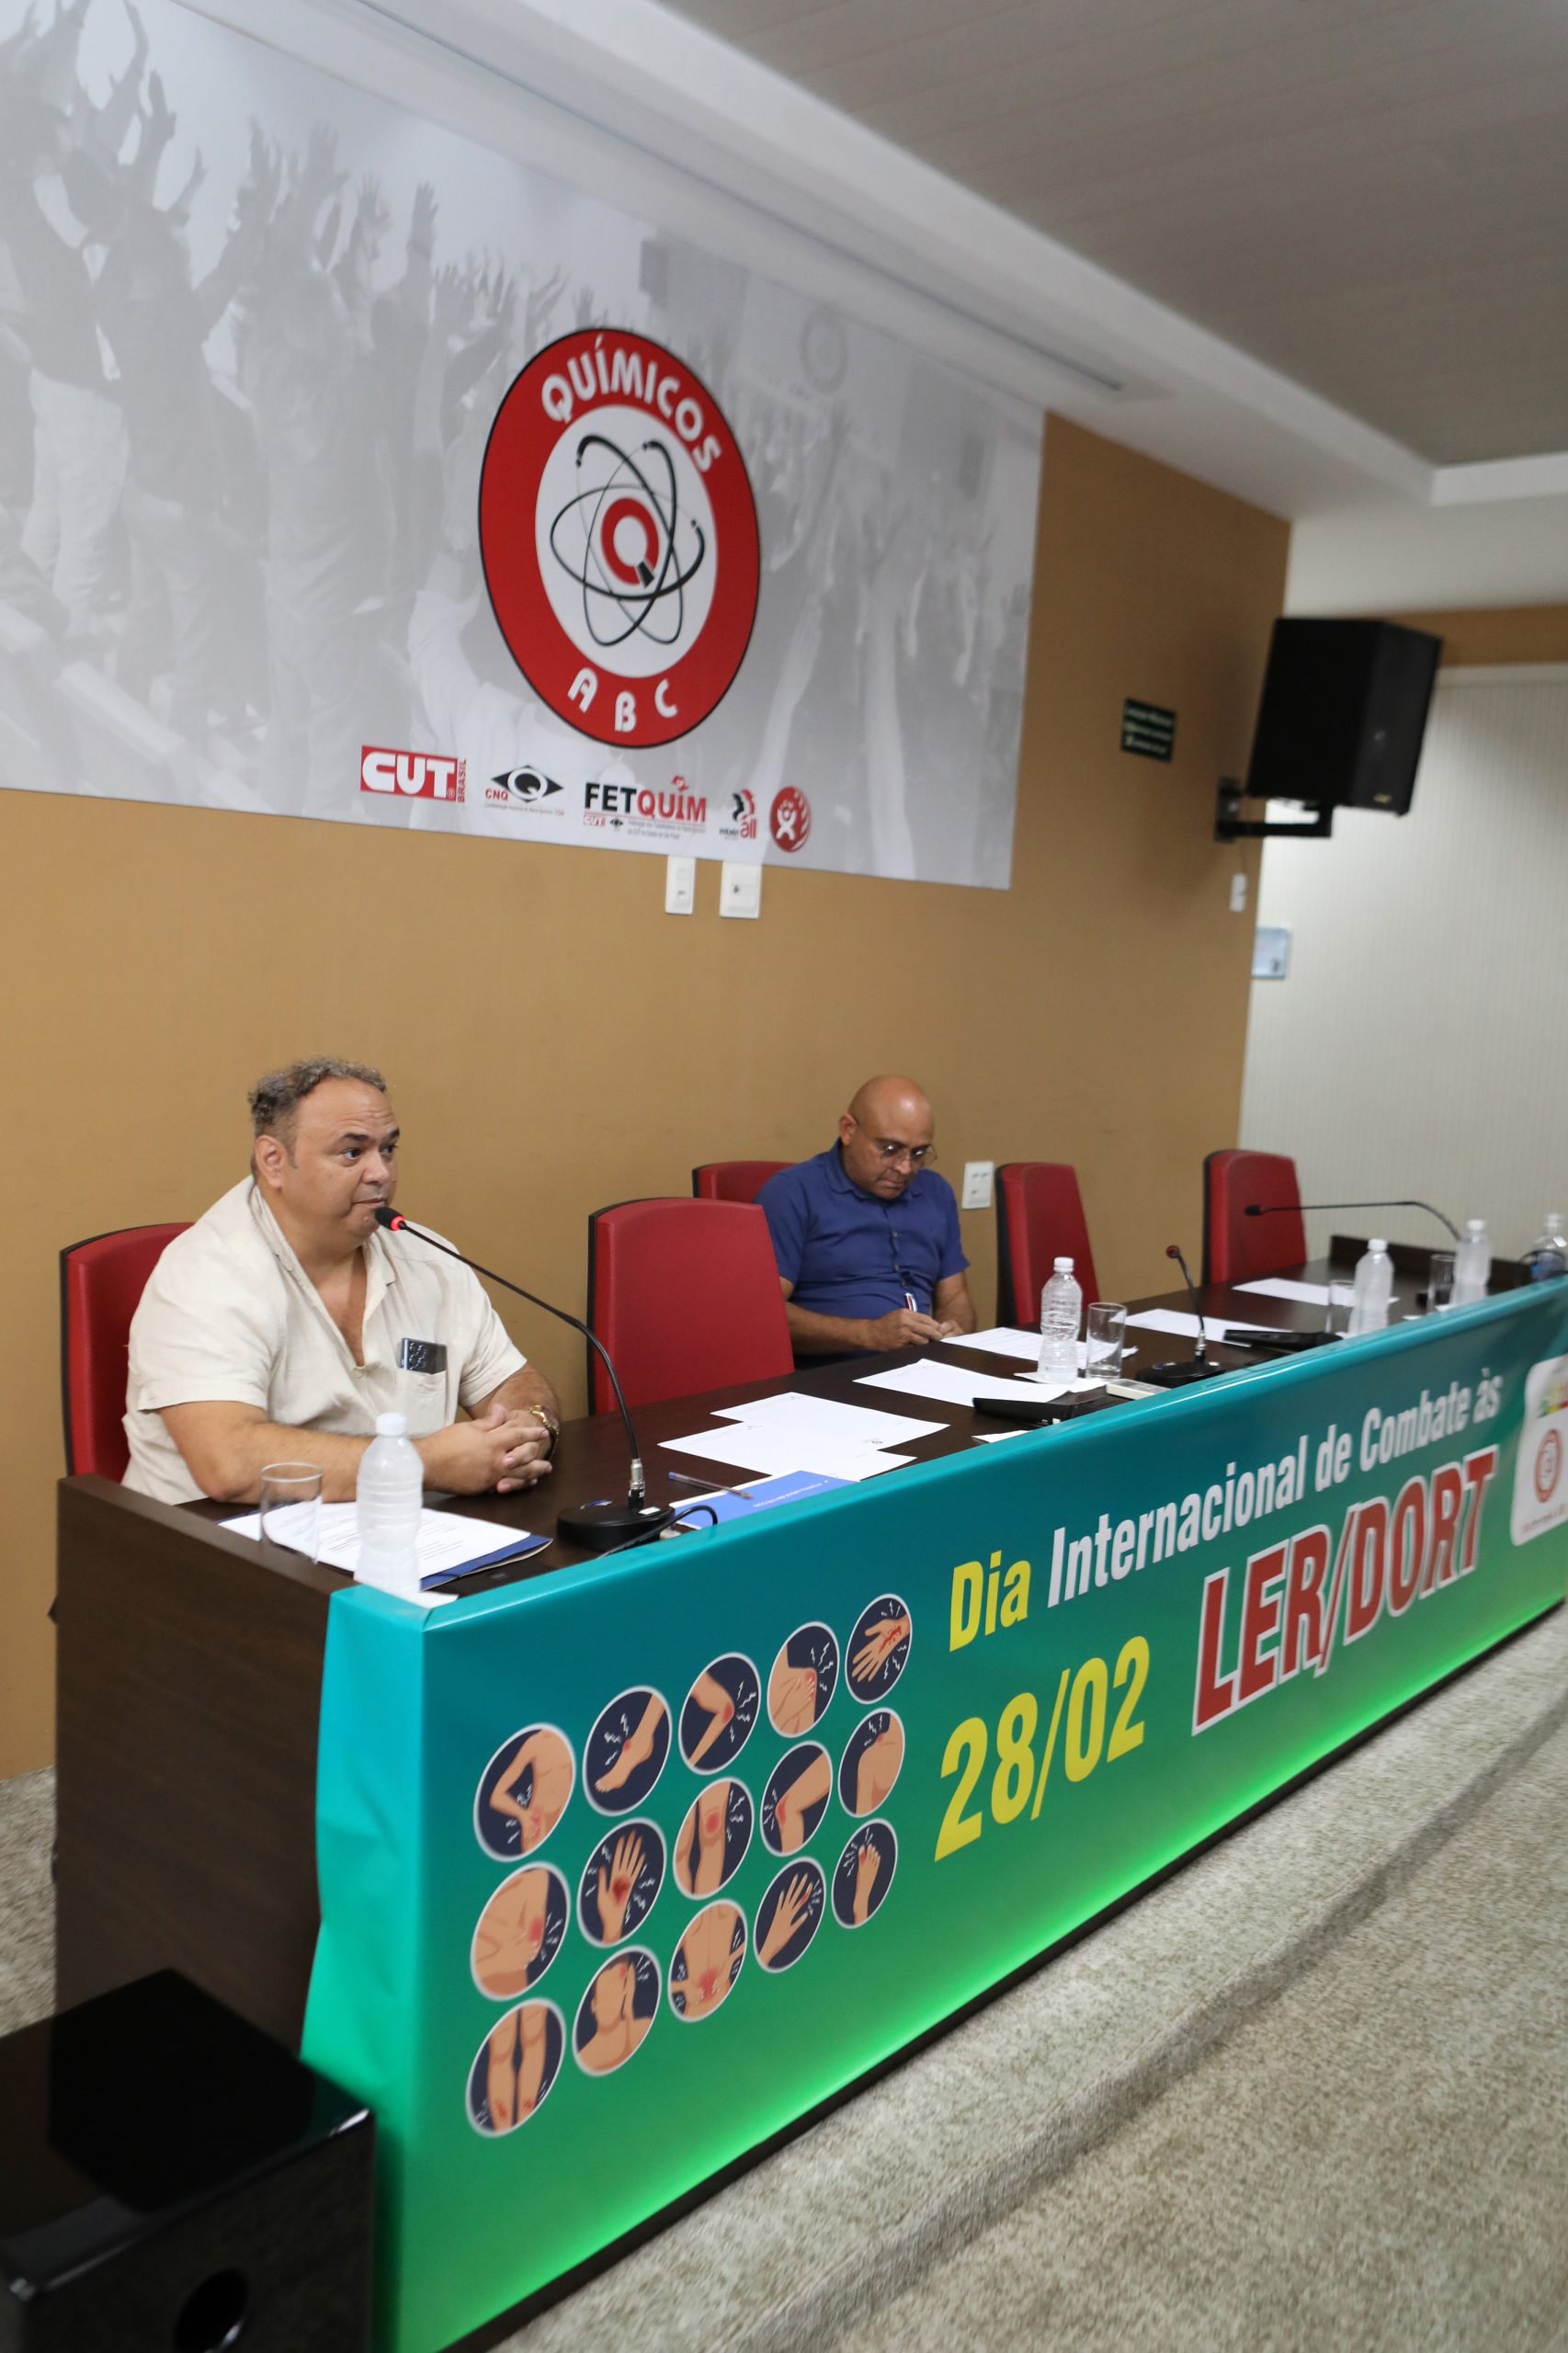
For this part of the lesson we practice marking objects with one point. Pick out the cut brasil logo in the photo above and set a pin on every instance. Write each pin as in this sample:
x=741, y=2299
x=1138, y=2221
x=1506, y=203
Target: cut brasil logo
x=617, y=533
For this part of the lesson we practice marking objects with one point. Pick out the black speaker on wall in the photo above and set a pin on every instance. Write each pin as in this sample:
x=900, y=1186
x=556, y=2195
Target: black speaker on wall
x=173, y=2181
x=1342, y=712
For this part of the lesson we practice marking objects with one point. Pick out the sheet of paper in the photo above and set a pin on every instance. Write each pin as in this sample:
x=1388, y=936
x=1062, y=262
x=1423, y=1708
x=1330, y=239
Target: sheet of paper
x=1280, y=1287
x=824, y=1418
x=1001, y=1340
x=995, y=1438
x=1184, y=1327
x=750, y=1448
x=449, y=1541
x=947, y=1383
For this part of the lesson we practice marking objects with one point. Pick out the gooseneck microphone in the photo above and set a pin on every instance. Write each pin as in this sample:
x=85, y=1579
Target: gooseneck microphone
x=1178, y=1371
x=597, y=1526
x=1300, y=1209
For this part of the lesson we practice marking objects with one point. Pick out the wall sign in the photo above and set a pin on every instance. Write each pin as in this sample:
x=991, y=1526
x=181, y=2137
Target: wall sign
x=1147, y=728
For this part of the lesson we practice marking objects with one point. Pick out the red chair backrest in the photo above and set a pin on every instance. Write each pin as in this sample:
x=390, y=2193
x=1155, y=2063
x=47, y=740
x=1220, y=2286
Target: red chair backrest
x=733, y=1180
x=101, y=1282
x=1039, y=1216
x=685, y=1295
x=1238, y=1248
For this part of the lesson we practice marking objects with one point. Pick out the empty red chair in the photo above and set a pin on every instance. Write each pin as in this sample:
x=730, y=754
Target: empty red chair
x=733, y=1180
x=685, y=1295
x=1238, y=1248
x=101, y=1283
x=1039, y=1216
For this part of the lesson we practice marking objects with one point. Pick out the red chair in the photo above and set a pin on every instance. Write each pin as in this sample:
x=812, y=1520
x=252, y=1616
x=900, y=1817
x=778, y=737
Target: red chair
x=685, y=1295
x=101, y=1282
x=1039, y=1216
x=1238, y=1248
x=733, y=1180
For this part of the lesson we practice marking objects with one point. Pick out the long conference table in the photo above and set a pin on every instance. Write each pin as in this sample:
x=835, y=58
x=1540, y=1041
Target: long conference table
x=602, y=1880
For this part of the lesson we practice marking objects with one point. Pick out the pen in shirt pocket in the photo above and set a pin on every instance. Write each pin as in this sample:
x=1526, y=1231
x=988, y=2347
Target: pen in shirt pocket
x=910, y=1304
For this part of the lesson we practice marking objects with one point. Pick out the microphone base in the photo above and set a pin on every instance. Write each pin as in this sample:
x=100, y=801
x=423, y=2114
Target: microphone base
x=1180, y=1374
x=599, y=1528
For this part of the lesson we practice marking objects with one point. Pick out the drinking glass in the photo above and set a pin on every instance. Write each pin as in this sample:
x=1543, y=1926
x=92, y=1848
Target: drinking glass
x=1440, y=1280
x=1341, y=1298
x=291, y=1507
x=1107, y=1340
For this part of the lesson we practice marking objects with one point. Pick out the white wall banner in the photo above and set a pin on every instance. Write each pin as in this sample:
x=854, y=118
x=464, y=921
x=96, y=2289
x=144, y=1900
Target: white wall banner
x=349, y=469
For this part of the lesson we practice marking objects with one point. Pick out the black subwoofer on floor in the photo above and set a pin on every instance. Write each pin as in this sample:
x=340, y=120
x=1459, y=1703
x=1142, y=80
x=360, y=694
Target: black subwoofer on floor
x=173, y=2181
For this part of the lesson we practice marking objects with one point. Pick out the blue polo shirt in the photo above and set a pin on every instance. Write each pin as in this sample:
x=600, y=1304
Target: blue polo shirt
x=846, y=1252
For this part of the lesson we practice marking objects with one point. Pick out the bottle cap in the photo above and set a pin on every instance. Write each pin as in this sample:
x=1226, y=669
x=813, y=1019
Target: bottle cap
x=392, y=1425
x=1064, y=1265
x=1377, y=1246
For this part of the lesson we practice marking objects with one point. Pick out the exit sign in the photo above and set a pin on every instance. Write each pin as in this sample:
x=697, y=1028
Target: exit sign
x=1147, y=728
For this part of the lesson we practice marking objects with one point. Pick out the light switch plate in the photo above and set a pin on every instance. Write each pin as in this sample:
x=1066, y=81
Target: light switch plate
x=681, y=886
x=740, y=889
x=1238, y=895
x=977, y=1176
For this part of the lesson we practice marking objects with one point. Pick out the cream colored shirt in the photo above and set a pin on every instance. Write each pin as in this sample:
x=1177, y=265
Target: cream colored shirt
x=230, y=1313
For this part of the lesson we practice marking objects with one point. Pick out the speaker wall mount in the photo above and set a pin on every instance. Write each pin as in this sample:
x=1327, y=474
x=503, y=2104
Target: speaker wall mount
x=1230, y=826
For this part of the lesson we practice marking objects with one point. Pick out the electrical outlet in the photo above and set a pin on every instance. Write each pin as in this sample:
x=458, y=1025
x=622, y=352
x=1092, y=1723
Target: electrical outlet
x=977, y=1176
x=1238, y=895
x=681, y=886
x=740, y=889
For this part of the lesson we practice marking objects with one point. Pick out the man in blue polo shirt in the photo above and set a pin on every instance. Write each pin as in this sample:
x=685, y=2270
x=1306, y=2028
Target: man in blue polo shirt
x=867, y=1236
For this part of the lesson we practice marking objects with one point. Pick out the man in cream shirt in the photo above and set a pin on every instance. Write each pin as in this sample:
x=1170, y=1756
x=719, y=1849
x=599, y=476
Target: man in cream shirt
x=280, y=1325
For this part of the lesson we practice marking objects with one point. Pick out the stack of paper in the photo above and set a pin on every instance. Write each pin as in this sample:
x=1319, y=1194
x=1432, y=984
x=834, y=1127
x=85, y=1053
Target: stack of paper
x=450, y=1544
x=934, y=1376
x=792, y=1431
x=1280, y=1287
x=1183, y=1326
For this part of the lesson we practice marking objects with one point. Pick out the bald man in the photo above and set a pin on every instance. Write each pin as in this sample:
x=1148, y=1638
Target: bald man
x=867, y=1236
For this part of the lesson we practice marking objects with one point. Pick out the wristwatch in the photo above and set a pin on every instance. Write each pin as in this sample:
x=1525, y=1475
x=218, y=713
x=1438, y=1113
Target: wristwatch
x=551, y=1424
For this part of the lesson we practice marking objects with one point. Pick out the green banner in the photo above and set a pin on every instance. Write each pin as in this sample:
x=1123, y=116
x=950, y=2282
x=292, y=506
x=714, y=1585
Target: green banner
x=626, y=1868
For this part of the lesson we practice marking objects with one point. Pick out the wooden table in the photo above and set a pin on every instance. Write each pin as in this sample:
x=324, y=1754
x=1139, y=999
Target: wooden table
x=189, y=1670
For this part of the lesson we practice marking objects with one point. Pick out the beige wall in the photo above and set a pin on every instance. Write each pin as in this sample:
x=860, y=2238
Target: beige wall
x=557, y=1042
x=1497, y=634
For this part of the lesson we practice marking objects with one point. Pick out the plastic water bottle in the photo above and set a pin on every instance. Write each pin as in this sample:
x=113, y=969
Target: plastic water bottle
x=1374, y=1289
x=1061, y=1312
x=1548, y=1254
x=1472, y=1264
x=387, y=1498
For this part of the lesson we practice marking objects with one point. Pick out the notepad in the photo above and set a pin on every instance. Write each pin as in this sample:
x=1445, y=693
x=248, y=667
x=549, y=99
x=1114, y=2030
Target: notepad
x=1280, y=1287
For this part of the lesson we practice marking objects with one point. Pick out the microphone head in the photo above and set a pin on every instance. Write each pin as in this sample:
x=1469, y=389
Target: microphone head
x=388, y=1217
x=1173, y=1249
x=1253, y=1209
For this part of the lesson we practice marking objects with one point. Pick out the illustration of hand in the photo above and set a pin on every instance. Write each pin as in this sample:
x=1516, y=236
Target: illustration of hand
x=614, y=1887
x=635, y=1750
x=882, y=1641
x=808, y=1788
x=711, y=1696
x=792, y=1695
x=788, y=1912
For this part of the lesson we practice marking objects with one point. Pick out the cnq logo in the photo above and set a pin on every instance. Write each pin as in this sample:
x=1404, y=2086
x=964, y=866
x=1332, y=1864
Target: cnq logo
x=418, y=776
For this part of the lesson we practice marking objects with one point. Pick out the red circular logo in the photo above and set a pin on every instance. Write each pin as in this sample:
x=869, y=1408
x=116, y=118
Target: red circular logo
x=617, y=533
x=1548, y=1466
x=790, y=818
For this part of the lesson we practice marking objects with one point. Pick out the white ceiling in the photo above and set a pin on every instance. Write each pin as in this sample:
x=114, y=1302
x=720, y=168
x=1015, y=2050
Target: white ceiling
x=1370, y=197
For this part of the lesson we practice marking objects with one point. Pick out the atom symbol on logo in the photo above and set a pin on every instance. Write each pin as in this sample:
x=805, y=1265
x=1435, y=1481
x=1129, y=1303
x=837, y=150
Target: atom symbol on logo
x=627, y=565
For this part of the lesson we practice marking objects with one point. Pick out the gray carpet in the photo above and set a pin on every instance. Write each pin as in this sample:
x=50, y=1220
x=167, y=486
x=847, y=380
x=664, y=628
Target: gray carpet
x=1309, y=2092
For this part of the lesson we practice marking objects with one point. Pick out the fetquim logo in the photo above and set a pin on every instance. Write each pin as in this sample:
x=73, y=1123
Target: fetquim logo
x=618, y=537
